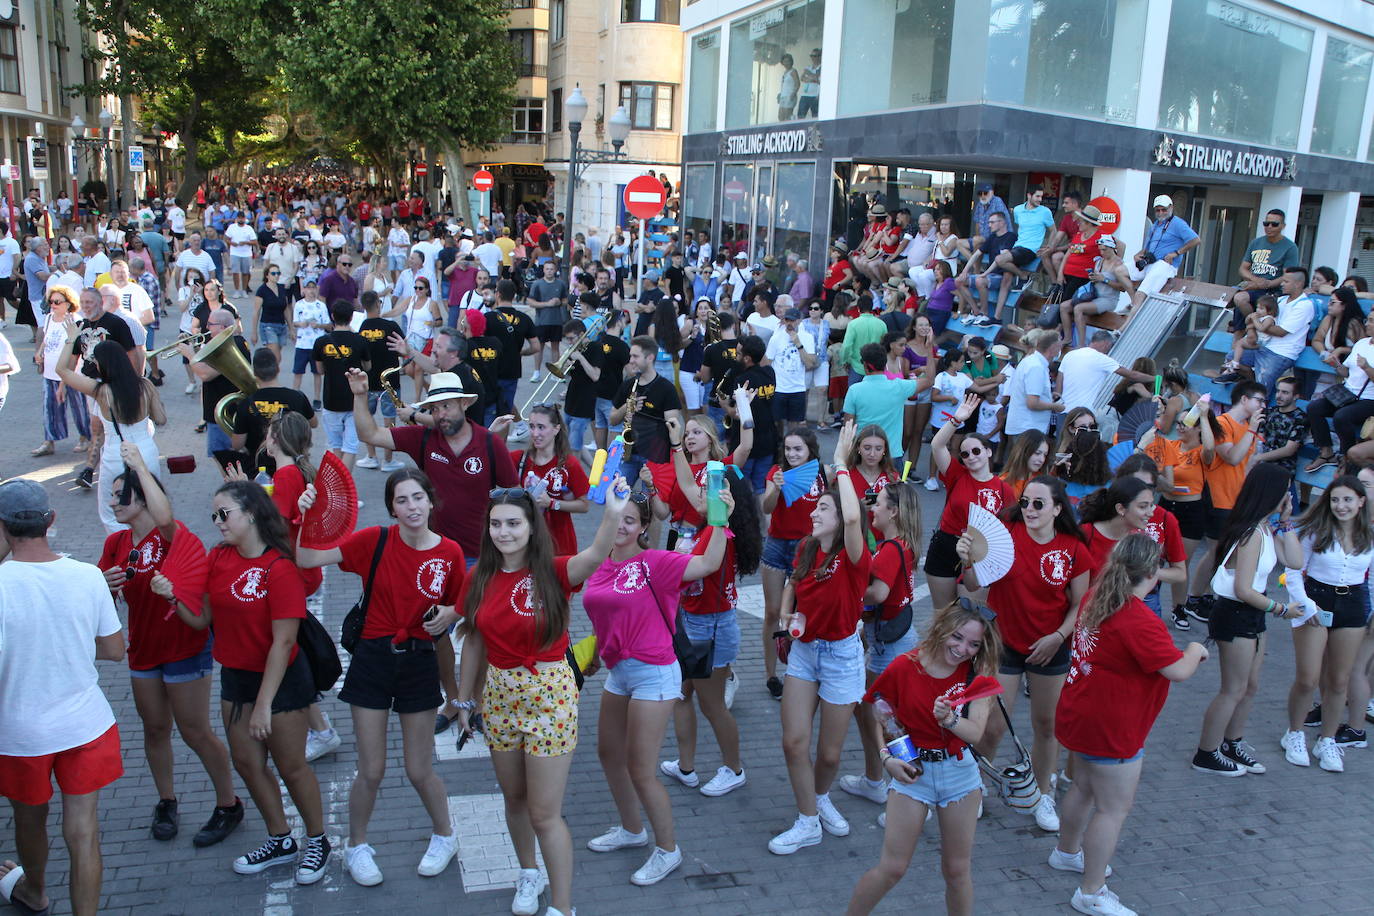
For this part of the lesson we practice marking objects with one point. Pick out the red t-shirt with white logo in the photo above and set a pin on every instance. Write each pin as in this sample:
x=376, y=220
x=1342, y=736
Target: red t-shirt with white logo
x=364, y=210
x=462, y=482
x=633, y=606
x=791, y=523
x=1114, y=690
x=563, y=479
x=863, y=489
x=288, y=483
x=505, y=618
x=246, y=595
x=681, y=507
x=408, y=581
x=832, y=594
x=895, y=564
x=1033, y=597
x=716, y=593
x=911, y=692
x=1163, y=529
x=992, y=494
x=153, y=638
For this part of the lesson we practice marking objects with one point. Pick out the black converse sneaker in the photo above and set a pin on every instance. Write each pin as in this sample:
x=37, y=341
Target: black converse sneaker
x=165, y=819
x=1181, y=621
x=1349, y=737
x=222, y=822
x=1217, y=764
x=1199, y=607
x=1241, y=754
x=278, y=850
x=1314, y=716
x=316, y=857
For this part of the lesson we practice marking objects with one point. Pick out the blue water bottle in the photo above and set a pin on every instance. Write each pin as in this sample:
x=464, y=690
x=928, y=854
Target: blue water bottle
x=716, y=513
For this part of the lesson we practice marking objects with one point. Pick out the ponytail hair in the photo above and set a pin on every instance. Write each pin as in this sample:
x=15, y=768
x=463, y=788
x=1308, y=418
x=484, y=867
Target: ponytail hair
x=1134, y=559
x=292, y=432
x=1100, y=505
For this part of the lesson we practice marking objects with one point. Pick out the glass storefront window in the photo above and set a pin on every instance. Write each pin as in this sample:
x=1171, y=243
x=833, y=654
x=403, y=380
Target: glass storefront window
x=1080, y=57
x=1233, y=72
x=769, y=52
x=696, y=198
x=894, y=56
x=792, y=220
x=736, y=208
x=704, y=86
x=763, y=209
x=1340, y=98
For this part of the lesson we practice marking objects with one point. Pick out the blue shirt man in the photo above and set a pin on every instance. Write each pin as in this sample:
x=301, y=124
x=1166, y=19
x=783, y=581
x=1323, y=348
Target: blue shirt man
x=1168, y=239
x=879, y=399
x=987, y=204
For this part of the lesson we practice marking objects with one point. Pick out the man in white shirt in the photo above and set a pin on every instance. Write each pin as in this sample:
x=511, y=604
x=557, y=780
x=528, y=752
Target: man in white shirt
x=1085, y=371
x=429, y=249
x=57, y=618
x=285, y=255
x=243, y=244
x=397, y=248
x=193, y=256
x=10, y=256
x=763, y=321
x=1030, y=402
x=133, y=299
x=911, y=260
x=737, y=278
x=94, y=261
x=1282, y=340
x=790, y=353
x=488, y=254
x=64, y=272
x=176, y=221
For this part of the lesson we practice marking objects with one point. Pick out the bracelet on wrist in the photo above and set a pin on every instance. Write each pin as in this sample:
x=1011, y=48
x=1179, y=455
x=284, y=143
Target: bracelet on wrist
x=465, y=704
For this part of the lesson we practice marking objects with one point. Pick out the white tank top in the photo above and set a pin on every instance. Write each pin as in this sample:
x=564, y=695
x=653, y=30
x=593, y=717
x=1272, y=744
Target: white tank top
x=1224, y=580
x=417, y=321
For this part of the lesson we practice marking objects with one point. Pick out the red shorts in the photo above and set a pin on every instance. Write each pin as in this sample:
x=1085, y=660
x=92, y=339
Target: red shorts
x=79, y=770
x=839, y=384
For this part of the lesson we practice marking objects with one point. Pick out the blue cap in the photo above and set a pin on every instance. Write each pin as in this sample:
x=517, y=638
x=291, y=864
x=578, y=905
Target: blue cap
x=652, y=274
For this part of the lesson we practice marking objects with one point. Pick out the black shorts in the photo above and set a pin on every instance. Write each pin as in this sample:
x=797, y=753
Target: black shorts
x=549, y=333
x=1216, y=520
x=1014, y=662
x=1192, y=517
x=7, y=288
x=1022, y=256
x=1233, y=619
x=1348, y=604
x=379, y=678
x=941, y=558
x=1072, y=285
x=296, y=691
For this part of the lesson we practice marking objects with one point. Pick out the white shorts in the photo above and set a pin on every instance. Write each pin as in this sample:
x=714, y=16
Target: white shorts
x=693, y=393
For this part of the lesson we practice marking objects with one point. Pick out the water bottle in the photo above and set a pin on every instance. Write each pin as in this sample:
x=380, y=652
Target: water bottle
x=264, y=480
x=899, y=743
x=798, y=625
x=1195, y=412
x=716, y=513
x=746, y=413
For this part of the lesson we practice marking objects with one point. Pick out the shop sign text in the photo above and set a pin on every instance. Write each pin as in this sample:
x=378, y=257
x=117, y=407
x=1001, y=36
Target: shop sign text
x=772, y=142
x=1225, y=159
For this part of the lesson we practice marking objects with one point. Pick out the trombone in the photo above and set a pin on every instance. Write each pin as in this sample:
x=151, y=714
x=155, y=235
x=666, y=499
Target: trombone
x=558, y=372
x=194, y=341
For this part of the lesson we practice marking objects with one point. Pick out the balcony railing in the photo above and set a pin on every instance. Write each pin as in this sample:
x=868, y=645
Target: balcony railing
x=533, y=137
x=533, y=69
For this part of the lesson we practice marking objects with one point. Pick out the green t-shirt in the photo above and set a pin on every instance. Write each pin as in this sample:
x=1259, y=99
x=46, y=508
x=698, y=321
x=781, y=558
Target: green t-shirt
x=1268, y=260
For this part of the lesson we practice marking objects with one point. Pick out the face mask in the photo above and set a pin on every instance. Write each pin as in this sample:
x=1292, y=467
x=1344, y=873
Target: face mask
x=1085, y=439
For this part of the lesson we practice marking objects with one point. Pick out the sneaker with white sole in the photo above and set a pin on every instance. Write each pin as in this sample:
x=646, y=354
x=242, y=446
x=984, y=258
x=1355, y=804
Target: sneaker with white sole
x=882, y=820
x=191, y=388
x=1103, y=903
x=661, y=863
x=1240, y=752
x=617, y=838
x=317, y=744
x=725, y=781
x=932, y=484
x=529, y=884
x=1046, y=814
x=314, y=859
x=672, y=768
x=393, y=465
x=805, y=831
x=536, y=375
x=860, y=786
x=1330, y=755
x=1216, y=763
x=1065, y=861
x=1350, y=737
x=831, y=819
x=367, y=461
x=520, y=430
x=731, y=686
x=1294, y=746
x=1369, y=711
x=441, y=851
x=278, y=850
x=361, y=865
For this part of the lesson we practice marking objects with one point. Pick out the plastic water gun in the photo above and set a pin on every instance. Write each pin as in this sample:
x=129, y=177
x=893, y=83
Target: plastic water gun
x=605, y=465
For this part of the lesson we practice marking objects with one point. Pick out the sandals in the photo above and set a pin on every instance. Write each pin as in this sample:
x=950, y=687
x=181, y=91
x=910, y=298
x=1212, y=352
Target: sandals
x=82, y=445
x=1321, y=461
x=42, y=450
x=7, y=885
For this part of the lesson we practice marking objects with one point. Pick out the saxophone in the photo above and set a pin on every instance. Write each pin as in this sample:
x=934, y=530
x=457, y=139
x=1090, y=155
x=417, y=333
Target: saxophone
x=628, y=436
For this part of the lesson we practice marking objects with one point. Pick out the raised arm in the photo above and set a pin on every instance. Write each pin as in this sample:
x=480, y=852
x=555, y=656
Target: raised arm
x=368, y=430
x=306, y=557
x=939, y=446
x=700, y=567
x=850, y=510
x=583, y=564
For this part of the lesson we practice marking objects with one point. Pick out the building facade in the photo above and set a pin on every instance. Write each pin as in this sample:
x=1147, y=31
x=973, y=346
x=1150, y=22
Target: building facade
x=796, y=110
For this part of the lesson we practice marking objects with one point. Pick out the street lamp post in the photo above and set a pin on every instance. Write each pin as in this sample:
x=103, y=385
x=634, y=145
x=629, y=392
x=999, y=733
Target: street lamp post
x=157, y=161
x=78, y=127
x=618, y=125
x=107, y=133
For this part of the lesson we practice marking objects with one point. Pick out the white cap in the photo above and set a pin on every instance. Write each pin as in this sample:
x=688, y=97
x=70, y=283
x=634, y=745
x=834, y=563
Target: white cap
x=1164, y=200
x=1106, y=241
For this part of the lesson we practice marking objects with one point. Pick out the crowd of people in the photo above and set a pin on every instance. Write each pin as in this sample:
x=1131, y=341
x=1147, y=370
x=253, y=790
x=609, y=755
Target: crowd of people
x=716, y=397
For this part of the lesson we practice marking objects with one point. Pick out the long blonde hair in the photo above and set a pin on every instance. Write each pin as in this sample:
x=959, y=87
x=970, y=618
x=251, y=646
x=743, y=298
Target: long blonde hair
x=950, y=618
x=292, y=434
x=1134, y=559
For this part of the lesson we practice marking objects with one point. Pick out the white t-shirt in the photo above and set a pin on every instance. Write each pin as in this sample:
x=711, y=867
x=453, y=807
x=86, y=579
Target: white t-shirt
x=1032, y=377
x=1084, y=372
x=305, y=310
x=54, y=346
x=50, y=616
x=489, y=255
x=946, y=385
x=134, y=300
x=764, y=327
x=398, y=242
x=200, y=260
x=96, y=265
x=7, y=359
x=68, y=278
x=1295, y=317
x=240, y=239
x=786, y=359
x=9, y=249
x=1357, y=378
x=176, y=218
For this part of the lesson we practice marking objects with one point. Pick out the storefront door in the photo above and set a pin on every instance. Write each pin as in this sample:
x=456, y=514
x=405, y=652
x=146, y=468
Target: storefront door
x=1226, y=235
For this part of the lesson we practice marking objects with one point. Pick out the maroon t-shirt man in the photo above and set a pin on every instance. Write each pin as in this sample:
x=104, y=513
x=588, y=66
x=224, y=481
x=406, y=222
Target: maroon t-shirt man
x=463, y=483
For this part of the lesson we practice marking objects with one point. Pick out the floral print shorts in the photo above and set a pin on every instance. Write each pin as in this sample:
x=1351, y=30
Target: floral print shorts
x=534, y=712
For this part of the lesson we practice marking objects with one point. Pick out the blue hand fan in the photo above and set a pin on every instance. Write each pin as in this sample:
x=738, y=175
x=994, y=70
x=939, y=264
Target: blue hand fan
x=1119, y=453
x=797, y=481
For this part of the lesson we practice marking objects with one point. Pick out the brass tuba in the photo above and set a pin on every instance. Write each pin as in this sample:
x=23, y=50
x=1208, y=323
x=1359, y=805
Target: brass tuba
x=221, y=354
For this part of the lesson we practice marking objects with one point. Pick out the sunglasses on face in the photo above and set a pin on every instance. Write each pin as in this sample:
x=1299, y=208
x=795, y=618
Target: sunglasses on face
x=274, y=273
x=220, y=515
x=982, y=610
x=1037, y=504
x=975, y=450
x=1085, y=429
x=1272, y=223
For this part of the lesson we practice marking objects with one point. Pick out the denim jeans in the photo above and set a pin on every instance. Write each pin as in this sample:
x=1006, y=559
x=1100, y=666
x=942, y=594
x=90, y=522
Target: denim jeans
x=1269, y=367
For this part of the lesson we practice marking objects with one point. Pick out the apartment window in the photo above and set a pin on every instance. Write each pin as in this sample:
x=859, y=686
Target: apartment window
x=527, y=47
x=556, y=110
x=9, y=58
x=649, y=11
x=650, y=105
x=556, y=16
x=527, y=122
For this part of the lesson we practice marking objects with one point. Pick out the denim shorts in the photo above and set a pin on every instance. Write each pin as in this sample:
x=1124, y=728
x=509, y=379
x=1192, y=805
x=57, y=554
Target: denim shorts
x=756, y=470
x=723, y=627
x=1113, y=761
x=837, y=665
x=374, y=398
x=780, y=553
x=183, y=671
x=602, y=417
x=881, y=654
x=303, y=359
x=272, y=334
x=216, y=440
x=942, y=782
x=578, y=428
x=340, y=432
x=645, y=681
x=396, y=262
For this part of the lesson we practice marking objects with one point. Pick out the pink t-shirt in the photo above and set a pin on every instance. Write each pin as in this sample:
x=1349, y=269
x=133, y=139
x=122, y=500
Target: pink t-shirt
x=633, y=606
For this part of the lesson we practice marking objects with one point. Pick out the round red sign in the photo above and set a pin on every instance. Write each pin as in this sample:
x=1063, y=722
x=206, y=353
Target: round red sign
x=645, y=197
x=1111, y=214
x=734, y=190
x=482, y=180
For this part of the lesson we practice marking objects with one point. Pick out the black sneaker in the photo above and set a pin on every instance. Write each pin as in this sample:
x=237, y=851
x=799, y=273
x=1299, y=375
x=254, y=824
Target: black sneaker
x=1181, y=621
x=1216, y=764
x=316, y=404
x=313, y=862
x=278, y=850
x=1349, y=737
x=775, y=688
x=165, y=819
x=86, y=479
x=1314, y=717
x=1199, y=607
x=222, y=822
x=1241, y=754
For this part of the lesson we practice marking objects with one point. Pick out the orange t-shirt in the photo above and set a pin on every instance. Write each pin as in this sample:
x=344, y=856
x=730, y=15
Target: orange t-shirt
x=1169, y=453
x=1223, y=479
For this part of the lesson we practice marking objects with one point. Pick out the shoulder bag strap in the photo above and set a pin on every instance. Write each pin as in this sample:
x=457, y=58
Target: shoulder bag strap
x=372, y=574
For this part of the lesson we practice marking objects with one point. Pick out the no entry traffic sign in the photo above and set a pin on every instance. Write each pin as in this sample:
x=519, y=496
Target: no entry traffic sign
x=645, y=197
x=482, y=180
x=734, y=190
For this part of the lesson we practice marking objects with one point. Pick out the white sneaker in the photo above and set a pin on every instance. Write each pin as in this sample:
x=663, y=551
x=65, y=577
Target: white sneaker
x=1330, y=755
x=731, y=685
x=361, y=866
x=831, y=819
x=393, y=465
x=520, y=430
x=725, y=781
x=1046, y=815
x=671, y=768
x=882, y=820
x=1070, y=861
x=661, y=864
x=191, y=388
x=1369, y=711
x=1294, y=746
x=367, y=461
x=317, y=744
x=441, y=851
x=617, y=838
x=1103, y=903
x=805, y=831
x=860, y=786
x=529, y=884
x=932, y=484
x=536, y=376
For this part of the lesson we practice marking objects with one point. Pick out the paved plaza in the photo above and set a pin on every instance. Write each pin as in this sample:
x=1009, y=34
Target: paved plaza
x=1290, y=841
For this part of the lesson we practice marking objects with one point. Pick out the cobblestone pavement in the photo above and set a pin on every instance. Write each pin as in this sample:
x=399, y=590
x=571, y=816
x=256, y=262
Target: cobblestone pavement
x=1291, y=841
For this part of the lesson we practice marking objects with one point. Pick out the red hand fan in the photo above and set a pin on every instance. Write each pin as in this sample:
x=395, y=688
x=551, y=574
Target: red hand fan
x=979, y=687
x=335, y=512
x=665, y=478
x=187, y=568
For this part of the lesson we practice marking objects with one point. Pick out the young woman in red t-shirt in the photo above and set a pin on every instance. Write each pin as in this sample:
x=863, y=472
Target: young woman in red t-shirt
x=960, y=645
x=787, y=526
x=169, y=662
x=692, y=446
x=1123, y=662
x=514, y=606
x=255, y=601
x=887, y=613
x=871, y=467
x=1162, y=527
x=1036, y=602
x=552, y=473
x=393, y=665
x=1109, y=514
x=822, y=605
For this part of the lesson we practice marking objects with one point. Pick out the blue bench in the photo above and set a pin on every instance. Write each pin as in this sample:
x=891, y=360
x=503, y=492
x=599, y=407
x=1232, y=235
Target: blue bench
x=1220, y=342
x=961, y=328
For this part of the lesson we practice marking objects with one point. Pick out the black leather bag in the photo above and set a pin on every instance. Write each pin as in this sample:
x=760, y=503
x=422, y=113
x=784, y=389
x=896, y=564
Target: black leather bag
x=318, y=648
x=352, y=630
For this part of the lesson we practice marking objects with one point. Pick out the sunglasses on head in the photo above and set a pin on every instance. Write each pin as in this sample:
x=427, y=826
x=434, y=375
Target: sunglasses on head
x=982, y=610
x=975, y=450
x=509, y=493
x=1037, y=503
x=131, y=565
